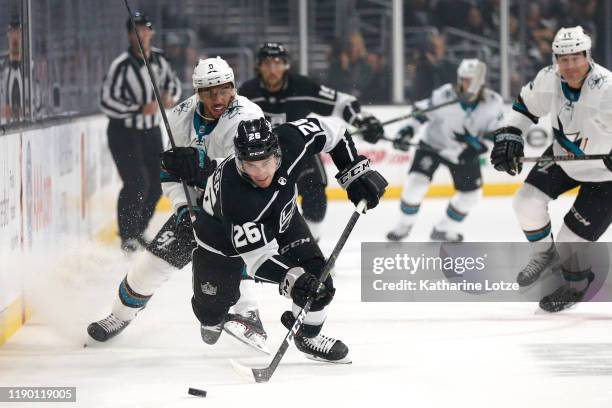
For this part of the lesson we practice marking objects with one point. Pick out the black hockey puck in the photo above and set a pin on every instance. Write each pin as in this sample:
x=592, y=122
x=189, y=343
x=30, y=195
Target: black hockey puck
x=197, y=392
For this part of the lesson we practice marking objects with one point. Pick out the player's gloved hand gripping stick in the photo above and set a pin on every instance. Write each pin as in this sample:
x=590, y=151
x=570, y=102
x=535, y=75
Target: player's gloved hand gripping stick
x=264, y=374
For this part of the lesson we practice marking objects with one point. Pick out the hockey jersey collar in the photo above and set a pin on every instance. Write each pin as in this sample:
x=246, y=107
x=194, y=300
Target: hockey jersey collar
x=202, y=129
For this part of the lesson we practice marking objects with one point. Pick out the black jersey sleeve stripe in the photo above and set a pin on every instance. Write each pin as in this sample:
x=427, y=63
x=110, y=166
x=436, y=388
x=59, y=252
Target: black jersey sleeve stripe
x=519, y=106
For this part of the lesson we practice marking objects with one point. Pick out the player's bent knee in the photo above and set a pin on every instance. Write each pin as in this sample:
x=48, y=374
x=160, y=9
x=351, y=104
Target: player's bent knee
x=531, y=207
x=216, y=285
x=466, y=200
x=208, y=315
x=148, y=273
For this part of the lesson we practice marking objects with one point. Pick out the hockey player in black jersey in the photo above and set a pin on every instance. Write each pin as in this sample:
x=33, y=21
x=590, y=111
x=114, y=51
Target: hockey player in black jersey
x=250, y=215
x=285, y=96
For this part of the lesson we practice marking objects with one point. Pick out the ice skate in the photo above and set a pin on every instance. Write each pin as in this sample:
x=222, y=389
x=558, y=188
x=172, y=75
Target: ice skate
x=538, y=264
x=248, y=329
x=567, y=295
x=210, y=334
x=106, y=328
x=400, y=232
x=445, y=236
x=561, y=299
x=323, y=348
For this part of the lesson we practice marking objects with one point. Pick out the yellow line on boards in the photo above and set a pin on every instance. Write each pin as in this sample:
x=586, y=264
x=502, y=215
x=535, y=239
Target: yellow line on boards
x=12, y=318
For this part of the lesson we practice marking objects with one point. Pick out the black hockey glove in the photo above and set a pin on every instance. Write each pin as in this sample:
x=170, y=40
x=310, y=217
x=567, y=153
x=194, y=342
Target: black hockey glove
x=404, y=136
x=474, y=147
x=189, y=164
x=300, y=286
x=371, y=128
x=183, y=221
x=362, y=183
x=508, y=150
x=608, y=161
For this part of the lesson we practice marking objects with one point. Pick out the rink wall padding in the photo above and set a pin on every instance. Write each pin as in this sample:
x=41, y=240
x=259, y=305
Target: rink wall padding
x=58, y=187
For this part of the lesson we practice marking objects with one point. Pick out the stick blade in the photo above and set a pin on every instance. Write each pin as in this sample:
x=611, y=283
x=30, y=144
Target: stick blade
x=244, y=372
x=251, y=375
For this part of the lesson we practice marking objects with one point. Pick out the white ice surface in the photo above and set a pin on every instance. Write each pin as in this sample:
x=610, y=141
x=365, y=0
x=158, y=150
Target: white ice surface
x=404, y=354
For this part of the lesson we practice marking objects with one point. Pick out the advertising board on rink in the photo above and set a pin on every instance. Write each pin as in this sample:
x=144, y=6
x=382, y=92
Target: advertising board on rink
x=394, y=164
x=57, y=185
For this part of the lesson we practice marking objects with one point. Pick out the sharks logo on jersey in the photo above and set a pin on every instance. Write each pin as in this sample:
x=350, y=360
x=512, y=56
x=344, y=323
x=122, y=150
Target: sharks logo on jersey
x=574, y=146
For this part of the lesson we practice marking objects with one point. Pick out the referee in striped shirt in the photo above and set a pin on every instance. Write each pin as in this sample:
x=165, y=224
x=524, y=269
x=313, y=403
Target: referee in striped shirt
x=134, y=136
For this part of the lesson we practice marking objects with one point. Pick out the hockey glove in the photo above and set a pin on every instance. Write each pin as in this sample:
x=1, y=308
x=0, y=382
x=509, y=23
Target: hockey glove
x=508, y=150
x=474, y=147
x=371, y=128
x=403, y=138
x=608, y=161
x=362, y=183
x=183, y=221
x=300, y=286
x=189, y=164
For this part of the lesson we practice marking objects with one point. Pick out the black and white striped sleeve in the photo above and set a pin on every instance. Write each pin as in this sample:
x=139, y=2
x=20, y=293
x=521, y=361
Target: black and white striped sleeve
x=116, y=96
x=170, y=81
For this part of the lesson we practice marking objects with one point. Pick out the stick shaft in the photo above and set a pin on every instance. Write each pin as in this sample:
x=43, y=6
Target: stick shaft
x=564, y=158
x=264, y=374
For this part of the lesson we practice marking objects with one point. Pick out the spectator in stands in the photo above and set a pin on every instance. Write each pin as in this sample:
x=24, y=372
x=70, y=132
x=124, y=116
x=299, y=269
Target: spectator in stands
x=359, y=70
x=431, y=68
x=379, y=87
x=338, y=75
x=490, y=13
x=476, y=24
x=11, y=75
x=451, y=13
x=418, y=13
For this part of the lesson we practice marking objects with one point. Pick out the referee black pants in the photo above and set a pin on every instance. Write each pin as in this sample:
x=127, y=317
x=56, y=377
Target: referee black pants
x=136, y=155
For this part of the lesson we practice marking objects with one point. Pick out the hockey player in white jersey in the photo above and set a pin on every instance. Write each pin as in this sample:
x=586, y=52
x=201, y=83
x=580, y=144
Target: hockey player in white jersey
x=207, y=119
x=453, y=137
x=577, y=93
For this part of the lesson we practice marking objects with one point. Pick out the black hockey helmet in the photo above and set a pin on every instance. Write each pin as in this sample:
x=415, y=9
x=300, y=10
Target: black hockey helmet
x=272, y=50
x=255, y=141
x=139, y=19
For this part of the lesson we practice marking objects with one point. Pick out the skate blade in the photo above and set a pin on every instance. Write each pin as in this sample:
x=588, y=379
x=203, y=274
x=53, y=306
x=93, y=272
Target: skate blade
x=257, y=345
x=345, y=360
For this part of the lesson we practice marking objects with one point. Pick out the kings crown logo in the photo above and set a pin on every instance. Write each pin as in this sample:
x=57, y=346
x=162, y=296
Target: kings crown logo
x=208, y=289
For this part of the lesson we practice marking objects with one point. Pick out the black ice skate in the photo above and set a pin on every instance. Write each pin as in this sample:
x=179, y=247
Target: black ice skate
x=398, y=233
x=319, y=347
x=106, y=328
x=248, y=329
x=210, y=334
x=566, y=296
x=445, y=236
x=538, y=264
x=323, y=348
x=561, y=299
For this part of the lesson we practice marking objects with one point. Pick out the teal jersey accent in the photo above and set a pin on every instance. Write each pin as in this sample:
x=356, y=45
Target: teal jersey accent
x=202, y=128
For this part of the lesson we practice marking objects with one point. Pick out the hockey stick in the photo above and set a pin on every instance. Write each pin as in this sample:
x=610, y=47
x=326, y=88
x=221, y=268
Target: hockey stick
x=564, y=158
x=470, y=93
x=161, y=107
x=261, y=375
x=412, y=114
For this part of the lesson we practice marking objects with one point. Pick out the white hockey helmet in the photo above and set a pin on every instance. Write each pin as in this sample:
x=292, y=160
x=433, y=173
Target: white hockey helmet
x=475, y=70
x=571, y=41
x=212, y=72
